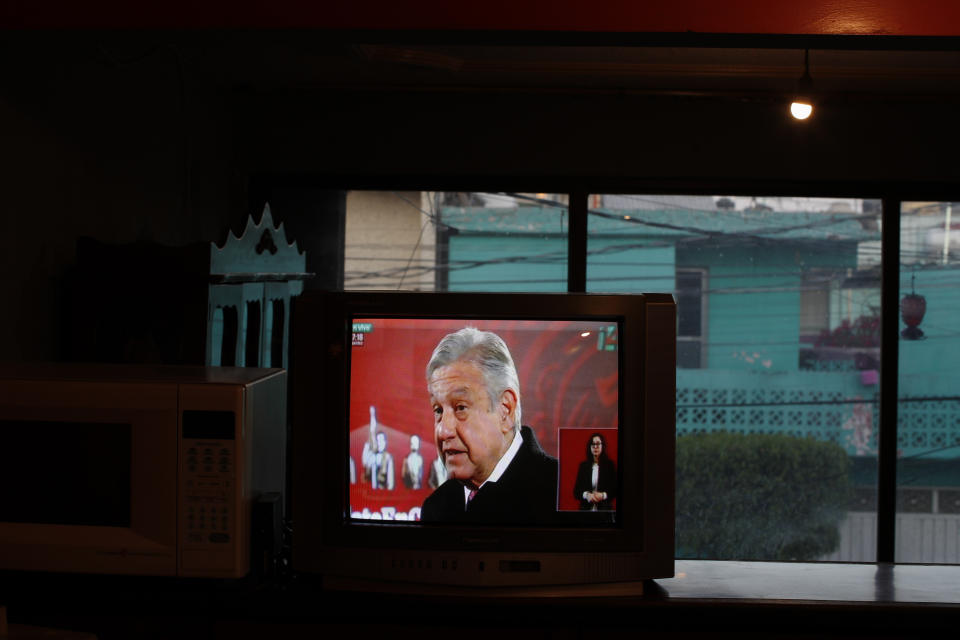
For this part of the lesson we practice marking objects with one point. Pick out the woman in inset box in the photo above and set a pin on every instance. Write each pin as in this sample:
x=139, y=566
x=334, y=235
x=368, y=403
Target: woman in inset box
x=596, y=484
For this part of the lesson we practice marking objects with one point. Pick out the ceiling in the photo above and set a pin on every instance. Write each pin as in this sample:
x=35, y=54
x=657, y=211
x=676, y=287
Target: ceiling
x=309, y=61
x=303, y=59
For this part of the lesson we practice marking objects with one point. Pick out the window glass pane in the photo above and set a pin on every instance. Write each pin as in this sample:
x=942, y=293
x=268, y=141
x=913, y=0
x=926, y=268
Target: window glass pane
x=690, y=302
x=928, y=430
x=501, y=242
x=390, y=240
x=778, y=357
x=456, y=241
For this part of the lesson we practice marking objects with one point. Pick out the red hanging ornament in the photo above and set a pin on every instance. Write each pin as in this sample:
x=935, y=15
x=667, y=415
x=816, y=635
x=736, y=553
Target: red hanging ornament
x=912, y=308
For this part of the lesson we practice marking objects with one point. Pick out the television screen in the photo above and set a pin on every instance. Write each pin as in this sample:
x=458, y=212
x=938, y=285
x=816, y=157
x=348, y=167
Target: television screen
x=482, y=438
x=564, y=400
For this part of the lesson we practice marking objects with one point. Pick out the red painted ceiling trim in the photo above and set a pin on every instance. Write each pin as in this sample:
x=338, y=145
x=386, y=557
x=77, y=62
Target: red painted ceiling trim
x=800, y=17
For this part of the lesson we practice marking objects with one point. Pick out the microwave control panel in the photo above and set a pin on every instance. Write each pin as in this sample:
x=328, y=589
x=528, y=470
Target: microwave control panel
x=208, y=489
x=208, y=527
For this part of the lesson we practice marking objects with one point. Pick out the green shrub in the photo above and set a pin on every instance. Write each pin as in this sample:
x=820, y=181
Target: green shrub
x=759, y=496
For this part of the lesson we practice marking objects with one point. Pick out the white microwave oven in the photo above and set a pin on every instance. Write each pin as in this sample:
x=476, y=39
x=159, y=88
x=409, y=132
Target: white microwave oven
x=128, y=469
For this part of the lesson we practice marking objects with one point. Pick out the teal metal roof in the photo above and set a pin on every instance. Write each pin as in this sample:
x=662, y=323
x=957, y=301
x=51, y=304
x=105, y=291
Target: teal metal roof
x=664, y=223
x=499, y=220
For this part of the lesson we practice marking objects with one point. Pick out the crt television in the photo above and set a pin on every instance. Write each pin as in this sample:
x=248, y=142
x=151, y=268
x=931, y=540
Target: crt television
x=593, y=370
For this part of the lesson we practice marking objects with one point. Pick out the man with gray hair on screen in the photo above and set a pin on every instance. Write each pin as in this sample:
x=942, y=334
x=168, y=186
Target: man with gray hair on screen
x=496, y=470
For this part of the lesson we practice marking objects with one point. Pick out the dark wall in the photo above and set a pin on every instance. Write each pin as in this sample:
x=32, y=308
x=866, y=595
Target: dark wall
x=94, y=145
x=142, y=140
x=604, y=135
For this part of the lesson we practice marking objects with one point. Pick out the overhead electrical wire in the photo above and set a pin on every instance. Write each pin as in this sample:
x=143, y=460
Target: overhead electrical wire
x=826, y=245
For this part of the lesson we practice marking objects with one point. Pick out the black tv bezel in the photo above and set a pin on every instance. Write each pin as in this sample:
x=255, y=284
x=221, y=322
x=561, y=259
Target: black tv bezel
x=320, y=376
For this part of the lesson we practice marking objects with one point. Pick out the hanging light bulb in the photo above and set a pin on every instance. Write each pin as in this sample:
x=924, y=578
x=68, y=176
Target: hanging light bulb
x=801, y=109
x=802, y=106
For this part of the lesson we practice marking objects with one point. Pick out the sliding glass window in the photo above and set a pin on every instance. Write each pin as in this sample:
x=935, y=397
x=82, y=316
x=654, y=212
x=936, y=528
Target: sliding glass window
x=390, y=240
x=778, y=363
x=928, y=433
x=778, y=346
x=456, y=241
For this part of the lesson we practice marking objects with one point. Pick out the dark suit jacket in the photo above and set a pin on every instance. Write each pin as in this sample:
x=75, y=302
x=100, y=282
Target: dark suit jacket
x=526, y=493
x=606, y=481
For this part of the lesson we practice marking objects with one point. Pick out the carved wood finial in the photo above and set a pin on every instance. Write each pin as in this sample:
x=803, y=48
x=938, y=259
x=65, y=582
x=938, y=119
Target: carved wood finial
x=261, y=248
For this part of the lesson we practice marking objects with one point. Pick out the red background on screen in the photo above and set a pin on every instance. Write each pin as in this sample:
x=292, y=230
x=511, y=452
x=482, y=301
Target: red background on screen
x=573, y=445
x=565, y=381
